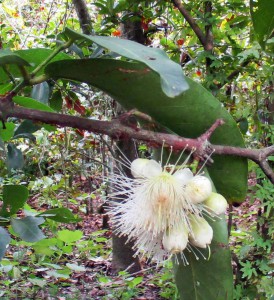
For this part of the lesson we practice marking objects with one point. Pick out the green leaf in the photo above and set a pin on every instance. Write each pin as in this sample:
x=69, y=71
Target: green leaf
x=27, y=228
x=263, y=21
x=7, y=132
x=69, y=236
x=4, y=241
x=173, y=81
x=210, y=279
x=41, y=92
x=4, y=88
x=14, y=198
x=188, y=115
x=47, y=246
x=15, y=159
x=31, y=103
x=56, y=101
x=34, y=104
x=8, y=57
x=33, y=57
x=61, y=214
x=26, y=126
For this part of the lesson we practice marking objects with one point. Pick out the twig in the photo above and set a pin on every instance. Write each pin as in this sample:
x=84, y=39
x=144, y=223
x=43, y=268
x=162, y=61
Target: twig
x=201, y=36
x=118, y=130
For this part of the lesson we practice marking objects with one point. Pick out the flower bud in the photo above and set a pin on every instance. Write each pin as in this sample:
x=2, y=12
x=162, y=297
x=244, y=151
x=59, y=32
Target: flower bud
x=198, y=189
x=201, y=232
x=175, y=239
x=183, y=175
x=217, y=203
x=145, y=168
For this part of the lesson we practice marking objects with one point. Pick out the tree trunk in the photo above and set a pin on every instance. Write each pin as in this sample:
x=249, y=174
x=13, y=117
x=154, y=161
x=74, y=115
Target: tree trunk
x=83, y=15
x=123, y=254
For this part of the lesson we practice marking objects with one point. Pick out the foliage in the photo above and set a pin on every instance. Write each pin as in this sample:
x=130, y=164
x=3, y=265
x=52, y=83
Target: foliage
x=44, y=79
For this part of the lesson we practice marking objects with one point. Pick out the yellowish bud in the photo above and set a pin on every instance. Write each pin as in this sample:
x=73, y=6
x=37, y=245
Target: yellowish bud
x=175, y=239
x=217, y=203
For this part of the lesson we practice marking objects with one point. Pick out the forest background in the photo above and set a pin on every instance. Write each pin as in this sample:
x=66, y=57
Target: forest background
x=54, y=178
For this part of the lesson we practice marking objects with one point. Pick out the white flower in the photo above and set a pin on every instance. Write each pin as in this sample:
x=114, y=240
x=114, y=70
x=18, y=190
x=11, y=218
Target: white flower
x=159, y=210
x=216, y=203
x=201, y=234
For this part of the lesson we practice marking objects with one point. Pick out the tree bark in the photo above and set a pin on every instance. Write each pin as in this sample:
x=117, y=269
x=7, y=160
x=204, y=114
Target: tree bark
x=123, y=254
x=83, y=15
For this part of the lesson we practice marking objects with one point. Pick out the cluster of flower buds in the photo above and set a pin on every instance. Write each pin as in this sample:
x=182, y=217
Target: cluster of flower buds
x=165, y=209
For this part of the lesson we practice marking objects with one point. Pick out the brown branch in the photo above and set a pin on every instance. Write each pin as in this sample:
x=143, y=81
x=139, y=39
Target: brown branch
x=201, y=36
x=83, y=16
x=116, y=129
x=208, y=27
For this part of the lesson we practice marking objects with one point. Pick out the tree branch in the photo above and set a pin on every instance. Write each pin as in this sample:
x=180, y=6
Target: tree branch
x=117, y=130
x=83, y=16
x=201, y=36
x=208, y=27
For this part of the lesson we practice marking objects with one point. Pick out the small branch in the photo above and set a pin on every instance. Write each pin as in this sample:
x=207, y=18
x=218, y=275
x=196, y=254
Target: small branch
x=208, y=28
x=117, y=130
x=51, y=56
x=201, y=36
x=206, y=136
x=234, y=74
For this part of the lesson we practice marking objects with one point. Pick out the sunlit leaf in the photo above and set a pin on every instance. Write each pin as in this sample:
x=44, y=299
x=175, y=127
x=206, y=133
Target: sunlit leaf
x=31, y=103
x=173, y=81
x=6, y=131
x=69, y=236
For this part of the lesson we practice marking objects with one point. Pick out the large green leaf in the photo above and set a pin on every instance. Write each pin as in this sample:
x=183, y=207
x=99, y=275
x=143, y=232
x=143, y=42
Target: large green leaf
x=188, y=115
x=31, y=103
x=173, y=81
x=4, y=241
x=14, y=198
x=27, y=228
x=9, y=57
x=210, y=279
x=262, y=14
x=32, y=56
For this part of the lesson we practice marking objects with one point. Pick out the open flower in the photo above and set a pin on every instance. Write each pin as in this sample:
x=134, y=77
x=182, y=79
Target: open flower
x=162, y=209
